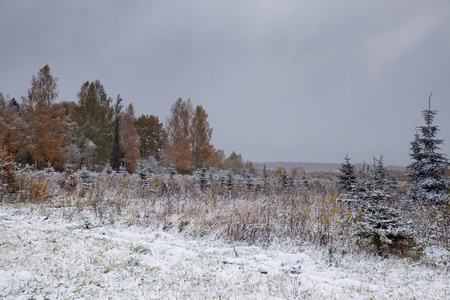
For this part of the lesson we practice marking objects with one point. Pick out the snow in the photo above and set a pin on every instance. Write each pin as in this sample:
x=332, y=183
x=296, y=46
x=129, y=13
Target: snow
x=56, y=253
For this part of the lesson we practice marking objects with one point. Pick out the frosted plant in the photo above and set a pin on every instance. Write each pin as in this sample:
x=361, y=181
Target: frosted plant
x=203, y=179
x=428, y=167
x=86, y=179
x=378, y=222
x=108, y=170
x=347, y=178
x=383, y=225
x=229, y=180
x=247, y=178
x=142, y=172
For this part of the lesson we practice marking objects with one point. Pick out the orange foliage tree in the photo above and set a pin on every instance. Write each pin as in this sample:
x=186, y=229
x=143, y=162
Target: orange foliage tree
x=177, y=148
x=129, y=142
x=13, y=129
x=217, y=159
x=201, y=148
x=48, y=129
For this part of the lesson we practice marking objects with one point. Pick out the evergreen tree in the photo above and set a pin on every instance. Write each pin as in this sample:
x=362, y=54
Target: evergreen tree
x=264, y=173
x=117, y=154
x=229, y=180
x=203, y=179
x=151, y=134
x=347, y=178
x=247, y=178
x=428, y=168
x=86, y=181
x=108, y=171
x=13, y=103
x=375, y=220
x=142, y=172
x=384, y=226
x=94, y=115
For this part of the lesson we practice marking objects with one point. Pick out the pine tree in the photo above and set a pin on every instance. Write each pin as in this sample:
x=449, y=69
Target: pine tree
x=347, y=178
x=151, y=134
x=203, y=179
x=247, y=178
x=117, y=154
x=265, y=174
x=229, y=180
x=86, y=181
x=427, y=177
x=94, y=115
x=142, y=172
x=377, y=221
x=384, y=226
x=13, y=103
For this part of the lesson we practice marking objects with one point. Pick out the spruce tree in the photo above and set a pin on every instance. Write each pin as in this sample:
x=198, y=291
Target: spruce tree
x=264, y=172
x=427, y=177
x=203, y=179
x=347, y=178
x=142, y=172
x=94, y=116
x=247, y=178
x=229, y=181
x=117, y=154
x=377, y=221
x=151, y=135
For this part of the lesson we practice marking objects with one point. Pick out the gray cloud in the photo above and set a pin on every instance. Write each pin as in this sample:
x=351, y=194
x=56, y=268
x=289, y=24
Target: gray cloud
x=280, y=80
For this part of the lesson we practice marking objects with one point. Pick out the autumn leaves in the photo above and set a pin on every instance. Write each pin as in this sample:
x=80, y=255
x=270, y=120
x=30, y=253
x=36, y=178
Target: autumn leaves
x=95, y=132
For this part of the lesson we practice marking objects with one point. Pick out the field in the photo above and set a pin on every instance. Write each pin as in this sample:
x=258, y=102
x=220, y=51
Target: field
x=118, y=237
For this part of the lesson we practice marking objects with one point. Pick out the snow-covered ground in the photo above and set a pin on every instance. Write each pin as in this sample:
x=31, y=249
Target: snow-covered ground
x=58, y=253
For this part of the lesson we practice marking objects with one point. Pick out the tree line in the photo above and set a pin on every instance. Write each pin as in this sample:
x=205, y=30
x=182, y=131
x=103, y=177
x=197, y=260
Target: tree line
x=96, y=131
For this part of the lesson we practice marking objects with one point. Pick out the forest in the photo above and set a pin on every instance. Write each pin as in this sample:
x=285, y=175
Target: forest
x=96, y=132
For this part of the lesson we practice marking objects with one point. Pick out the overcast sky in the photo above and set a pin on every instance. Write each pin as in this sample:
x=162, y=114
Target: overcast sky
x=280, y=80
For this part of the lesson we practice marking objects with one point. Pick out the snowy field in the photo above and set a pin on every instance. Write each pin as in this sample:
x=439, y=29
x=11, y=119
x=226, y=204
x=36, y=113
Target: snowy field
x=54, y=253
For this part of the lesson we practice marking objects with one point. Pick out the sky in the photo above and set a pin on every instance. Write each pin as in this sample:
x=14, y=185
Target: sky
x=284, y=80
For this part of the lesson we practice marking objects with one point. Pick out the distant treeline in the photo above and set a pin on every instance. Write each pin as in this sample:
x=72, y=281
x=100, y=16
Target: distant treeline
x=96, y=131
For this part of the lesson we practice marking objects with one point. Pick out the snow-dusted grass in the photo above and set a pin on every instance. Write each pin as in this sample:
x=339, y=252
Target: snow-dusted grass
x=67, y=252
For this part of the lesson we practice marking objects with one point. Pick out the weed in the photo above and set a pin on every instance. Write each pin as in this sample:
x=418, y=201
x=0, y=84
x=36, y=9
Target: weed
x=141, y=250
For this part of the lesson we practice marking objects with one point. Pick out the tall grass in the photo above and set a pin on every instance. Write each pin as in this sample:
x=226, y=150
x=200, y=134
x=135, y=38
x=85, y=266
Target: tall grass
x=261, y=211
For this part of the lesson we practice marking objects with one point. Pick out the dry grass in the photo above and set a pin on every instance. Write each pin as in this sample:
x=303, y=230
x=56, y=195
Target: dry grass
x=268, y=211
